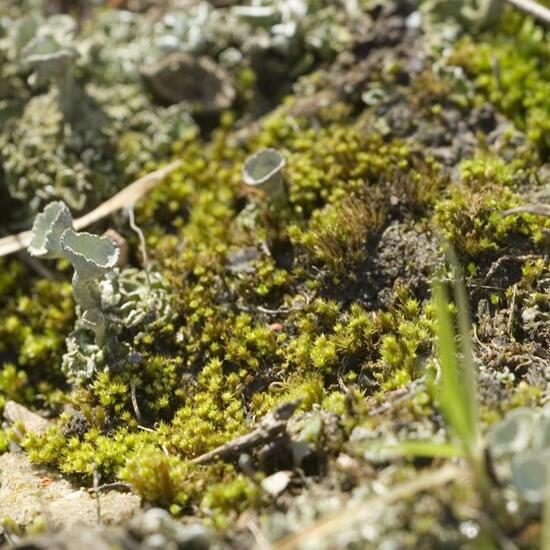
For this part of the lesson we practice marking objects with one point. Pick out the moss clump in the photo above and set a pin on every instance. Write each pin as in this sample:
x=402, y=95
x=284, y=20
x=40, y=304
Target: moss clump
x=35, y=324
x=213, y=414
x=231, y=498
x=4, y=441
x=14, y=386
x=472, y=218
x=338, y=233
x=511, y=67
x=36, y=317
x=160, y=479
x=92, y=450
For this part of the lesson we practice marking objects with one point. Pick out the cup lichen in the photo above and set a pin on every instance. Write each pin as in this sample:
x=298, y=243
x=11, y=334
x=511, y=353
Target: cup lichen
x=47, y=229
x=263, y=171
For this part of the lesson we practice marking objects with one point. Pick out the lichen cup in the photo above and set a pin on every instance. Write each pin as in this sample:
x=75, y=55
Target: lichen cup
x=47, y=229
x=92, y=256
x=264, y=171
x=52, y=61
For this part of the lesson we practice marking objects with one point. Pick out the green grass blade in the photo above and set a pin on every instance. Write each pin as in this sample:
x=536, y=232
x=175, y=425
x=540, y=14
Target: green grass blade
x=468, y=370
x=408, y=448
x=455, y=397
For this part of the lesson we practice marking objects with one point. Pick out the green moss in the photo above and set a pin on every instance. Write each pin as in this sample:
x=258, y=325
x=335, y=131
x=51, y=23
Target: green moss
x=36, y=316
x=338, y=233
x=159, y=479
x=35, y=324
x=212, y=415
x=511, y=68
x=14, y=386
x=79, y=456
x=47, y=448
x=248, y=336
x=472, y=219
x=327, y=339
x=11, y=274
x=308, y=389
x=230, y=498
x=4, y=441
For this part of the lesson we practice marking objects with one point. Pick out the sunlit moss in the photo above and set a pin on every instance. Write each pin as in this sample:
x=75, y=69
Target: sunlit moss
x=251, y=332
x=511, y=67
x=472, y=218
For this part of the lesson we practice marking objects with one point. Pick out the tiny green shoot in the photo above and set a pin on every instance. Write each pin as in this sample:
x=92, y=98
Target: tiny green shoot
x=457, y=393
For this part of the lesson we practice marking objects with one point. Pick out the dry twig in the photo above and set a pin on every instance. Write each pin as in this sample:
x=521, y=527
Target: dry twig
x=530, y=7
x=507, y=258
x=270, y=427
x=115, y=486
x=125, y=198
x=135, y=401
x=536, y=209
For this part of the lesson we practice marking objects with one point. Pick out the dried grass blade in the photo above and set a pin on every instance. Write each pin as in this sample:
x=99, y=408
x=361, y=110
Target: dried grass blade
x=127, y=197
x=337, y=522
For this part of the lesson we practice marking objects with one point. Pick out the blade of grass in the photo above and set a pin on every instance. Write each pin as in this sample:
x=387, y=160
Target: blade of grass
x=425, y=449
x=468, y=371
x=455, y=398
x=458, y=393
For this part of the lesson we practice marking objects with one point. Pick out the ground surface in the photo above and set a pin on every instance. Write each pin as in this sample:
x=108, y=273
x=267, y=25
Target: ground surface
x=280, y=382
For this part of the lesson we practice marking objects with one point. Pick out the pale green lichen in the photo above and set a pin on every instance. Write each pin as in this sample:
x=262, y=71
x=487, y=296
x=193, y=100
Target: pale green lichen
x=522, y=439
x=263, y=171
x=47, y=230
x=124, y=301
x=91, y=256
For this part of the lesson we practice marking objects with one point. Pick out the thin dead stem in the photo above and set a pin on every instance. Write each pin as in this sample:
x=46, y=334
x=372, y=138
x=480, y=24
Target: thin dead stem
x=347, y=516
x=530, y=7
x=125, y=198
x=143, y=244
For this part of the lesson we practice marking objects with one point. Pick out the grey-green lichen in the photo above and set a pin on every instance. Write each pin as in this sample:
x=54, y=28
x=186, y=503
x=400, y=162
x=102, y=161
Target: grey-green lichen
x=78, y=120
x=91, y=256
x=521, y=445
x=107, y=301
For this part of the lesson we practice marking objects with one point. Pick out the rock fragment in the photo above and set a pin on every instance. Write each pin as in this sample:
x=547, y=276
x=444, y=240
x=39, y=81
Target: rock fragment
x=14, y=413
x=28, y=493
x=198, y=81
